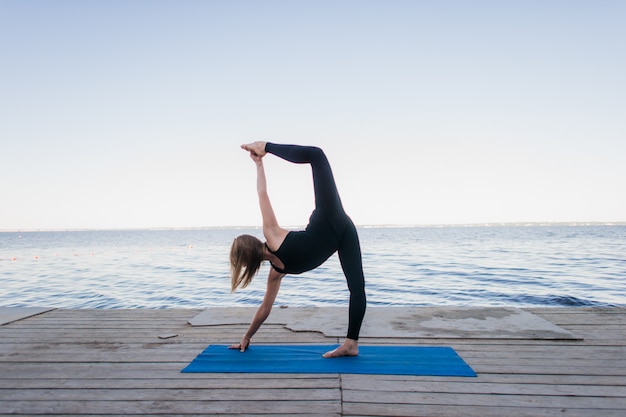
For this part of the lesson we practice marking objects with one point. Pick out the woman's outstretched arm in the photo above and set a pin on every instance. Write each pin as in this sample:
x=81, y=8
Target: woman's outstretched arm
x=273, y=233
x=267, y=211
x=273, y=285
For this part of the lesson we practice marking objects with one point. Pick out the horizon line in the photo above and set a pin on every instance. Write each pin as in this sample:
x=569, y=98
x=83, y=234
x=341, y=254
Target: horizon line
x=362, y=226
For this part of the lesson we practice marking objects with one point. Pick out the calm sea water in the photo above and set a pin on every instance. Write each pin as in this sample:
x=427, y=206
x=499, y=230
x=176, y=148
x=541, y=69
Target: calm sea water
x=417, y=266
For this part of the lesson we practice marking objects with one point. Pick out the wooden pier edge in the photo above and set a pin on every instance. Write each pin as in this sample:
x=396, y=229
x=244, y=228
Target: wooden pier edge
x=128, y=362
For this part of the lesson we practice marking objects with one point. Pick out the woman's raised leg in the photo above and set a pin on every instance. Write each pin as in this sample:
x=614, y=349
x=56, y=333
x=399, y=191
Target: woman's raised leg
x=326, y=194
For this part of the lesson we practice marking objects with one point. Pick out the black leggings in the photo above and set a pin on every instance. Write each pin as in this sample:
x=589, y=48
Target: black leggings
x=328, y=204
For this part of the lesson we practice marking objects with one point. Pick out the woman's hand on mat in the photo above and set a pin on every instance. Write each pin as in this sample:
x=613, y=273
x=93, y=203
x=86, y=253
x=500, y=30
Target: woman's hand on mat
x=256, y=148
x=242, y=346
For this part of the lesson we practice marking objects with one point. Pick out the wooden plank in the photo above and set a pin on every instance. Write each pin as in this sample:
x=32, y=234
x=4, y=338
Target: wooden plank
x=541, y=370
x=140, y=407
x=352, y=382
x=530, y=379
x=137, y=339
x=122, y=313
x=472, y=400
x=153, y=336
x=445, y=410
x=176, y=394
x=303, y=413
x=198, y=381
x=551, y=362
x=108, y=370
x=606, y=341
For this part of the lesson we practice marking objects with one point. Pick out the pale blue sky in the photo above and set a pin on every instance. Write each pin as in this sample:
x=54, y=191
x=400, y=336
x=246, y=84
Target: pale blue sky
x=124, y=114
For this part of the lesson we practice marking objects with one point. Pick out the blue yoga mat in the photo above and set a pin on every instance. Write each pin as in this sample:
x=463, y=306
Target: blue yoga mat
x=381, y=360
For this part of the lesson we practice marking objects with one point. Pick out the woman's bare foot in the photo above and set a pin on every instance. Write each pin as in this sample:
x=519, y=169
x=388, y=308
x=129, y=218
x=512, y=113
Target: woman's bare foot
x=257, y=148
x=349, y=348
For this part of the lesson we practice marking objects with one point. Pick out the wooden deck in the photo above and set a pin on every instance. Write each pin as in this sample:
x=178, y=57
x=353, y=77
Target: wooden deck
x=112, y=362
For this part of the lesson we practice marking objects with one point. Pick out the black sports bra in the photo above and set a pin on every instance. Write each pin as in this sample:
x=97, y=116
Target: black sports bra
x=277, y=269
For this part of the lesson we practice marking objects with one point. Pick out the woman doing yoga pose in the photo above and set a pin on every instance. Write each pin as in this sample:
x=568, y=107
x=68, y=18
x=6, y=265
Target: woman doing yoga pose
x=329, y=230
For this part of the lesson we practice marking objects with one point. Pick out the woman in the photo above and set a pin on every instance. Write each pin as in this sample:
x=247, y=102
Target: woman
x=329, y=230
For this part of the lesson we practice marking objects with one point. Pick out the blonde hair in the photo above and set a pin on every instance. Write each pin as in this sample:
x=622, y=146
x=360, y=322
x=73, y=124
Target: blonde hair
x=246, y=255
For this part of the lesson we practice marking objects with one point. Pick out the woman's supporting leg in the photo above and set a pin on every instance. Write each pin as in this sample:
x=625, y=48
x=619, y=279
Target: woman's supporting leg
x=350, y=257
x=352, y=265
